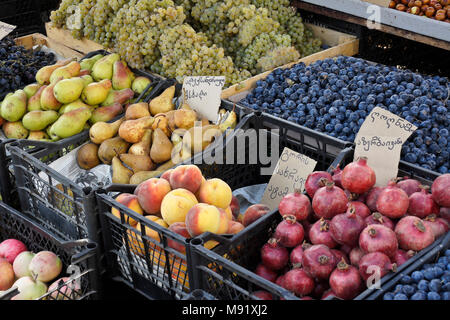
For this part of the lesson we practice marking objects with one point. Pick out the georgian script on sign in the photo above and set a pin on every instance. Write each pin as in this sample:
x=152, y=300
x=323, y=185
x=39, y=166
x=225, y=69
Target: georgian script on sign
x=5, y=29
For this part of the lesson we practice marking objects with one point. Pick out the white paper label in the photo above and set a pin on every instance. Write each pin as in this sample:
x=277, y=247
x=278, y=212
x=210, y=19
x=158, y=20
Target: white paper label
x=5, y=29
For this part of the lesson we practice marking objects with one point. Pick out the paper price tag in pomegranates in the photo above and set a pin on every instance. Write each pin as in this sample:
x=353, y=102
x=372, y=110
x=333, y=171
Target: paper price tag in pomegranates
x=5, y=29
x=203, y=94
x=289, y=175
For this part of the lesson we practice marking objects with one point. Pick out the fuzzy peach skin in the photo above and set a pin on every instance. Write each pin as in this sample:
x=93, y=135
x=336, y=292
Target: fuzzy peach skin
x=235, y=227
x=179, y=228
x=176, y=205
x=204, y=217
x=254, y=212
x=130, y=201
x=187, y=177
x=166, y=175
x=151, y=193
x=229, y=213
x=136, y=242
x=215, y=192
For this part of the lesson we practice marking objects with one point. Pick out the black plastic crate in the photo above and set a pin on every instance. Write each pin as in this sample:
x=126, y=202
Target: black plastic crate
x=80, y=255
x=198, y=294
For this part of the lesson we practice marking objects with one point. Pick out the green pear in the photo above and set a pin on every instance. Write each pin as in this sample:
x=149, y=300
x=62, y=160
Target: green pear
x=106, y=113
x=43, y=74
x=87, y=79
x=15, y=130
x=65, y=72
x=96, y=92
x=14, y=106
x=75, y=105
x=70, y=123
x=87, y=64
x=122, y=76
x=48, y=100
x=139, y=84
x=120, y=96
x=68, y=90
x=31, y=89
x=34, y=103
x=103, y=68
x=39, y=120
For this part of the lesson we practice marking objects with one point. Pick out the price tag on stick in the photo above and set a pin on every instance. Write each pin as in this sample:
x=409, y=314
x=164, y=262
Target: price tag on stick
x=203, y=94
x=5, y=29
x=380, y=139
x=289, y=175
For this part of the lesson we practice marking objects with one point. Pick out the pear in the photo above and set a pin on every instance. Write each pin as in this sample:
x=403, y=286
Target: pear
x=142, y=148
x=185, y=119
x=43, y=75
x=122, y=76
x=137, y=162
x=39, y=120
x=230, y=122
x=185, y=106
x=106, y=113
x=141, y=176
x=87, y=64
x=38, y=136
x=14, y=106
x=112, y=147
x=177, y=136
x=133, y=131
x=171, y=119
x=75, y=105
x=15, y=130
x=31, y=89
x=162, y=123
x=103, y=68
x=34, y=103
x=70, y=123
x=87, y=156
x=161, y=149
x=120, y=173
x=120, y=96
x=87, y=79
x=85, y=73
x=102, y=131
x=140, y=84
x=65, y=72
x=68, y=90
x=137, y=110
x=96, y=92
x=163, y=103
x=48, y=100
x=166, y=166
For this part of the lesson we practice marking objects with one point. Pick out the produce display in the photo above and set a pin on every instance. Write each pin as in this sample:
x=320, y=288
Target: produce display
x=68, y=97
x=433, y=9
x=335, y=96
x=18, y=66
x=34, y=274
x=431, y=282
x=150, y=138
x=332, y=237
x=234, y=38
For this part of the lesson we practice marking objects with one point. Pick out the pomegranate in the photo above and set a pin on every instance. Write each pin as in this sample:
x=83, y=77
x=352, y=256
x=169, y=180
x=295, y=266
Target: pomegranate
x=360, y=208
x=295, y=204
x=306, y=227
x=289, y=232
x=336, y=177
x=346, y=249
x=273, y=255
x=339, y=255
x=392, y=201
x=329, y=201
x=298, y=281
x=445, y=213
x=320, y=234
x=263, y=295
x=409, y=185
x=315, y=181
x=440, y=189
x=371, y=198
x=280, y=281
x=319, y=261
x=378, y=238
x=355, y=255
x=358, y=177
x=375, y=262
x=401, y=256
x=320, y=288
x=345, y=281
x=439, y=226
x=346, y=227
x=378, y=218
x=306, y=298
x=421, y=204
x=413, y=234
x=296, y=256
x=266, y=273
x=328, y=293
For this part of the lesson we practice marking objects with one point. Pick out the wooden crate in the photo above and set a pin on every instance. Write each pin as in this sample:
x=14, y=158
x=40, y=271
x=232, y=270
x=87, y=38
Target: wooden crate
x=65, y=37
x=31, y=40
x=340, y=44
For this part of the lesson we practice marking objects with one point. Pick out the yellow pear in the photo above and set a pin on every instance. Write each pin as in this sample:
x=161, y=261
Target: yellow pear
x=101, y=131
x=133, y=131
x=120, y=173
x=161, y=149
x=68, y=90
x=142, y=148
x=163, y=103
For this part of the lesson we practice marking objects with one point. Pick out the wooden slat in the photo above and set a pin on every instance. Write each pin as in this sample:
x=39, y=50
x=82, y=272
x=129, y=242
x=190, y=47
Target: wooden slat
x=64, y=36
x=31, y=40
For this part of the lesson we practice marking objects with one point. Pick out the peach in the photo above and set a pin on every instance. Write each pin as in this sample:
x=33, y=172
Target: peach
x=176, y=205
x=186, y=177
x=206, y=218
x=254, y=212
x=240, y=218
x=21, y=264
x=229, y=213
x=235, y=227
x=10, y=249
x=166, y=175
x=235, y=207
x=135, y=239
x=130, y=201
x=197, y=194
x=45, y=266
x=6, y=275
x=215, y=192
x=70, y=289
x=224, y=219
x=151, y=193
x=179, y=228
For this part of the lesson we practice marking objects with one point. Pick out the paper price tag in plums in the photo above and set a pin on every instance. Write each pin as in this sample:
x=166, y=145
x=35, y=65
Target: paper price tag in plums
x=5, y=29
x=203, y=94
x=289, y=175
x=380, y=139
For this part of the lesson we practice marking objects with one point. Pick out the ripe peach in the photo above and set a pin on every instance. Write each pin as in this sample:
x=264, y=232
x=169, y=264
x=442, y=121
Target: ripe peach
x=215, y=192
x=130, y=201
x=10, y=249
x=235, y=227
x=166, y=175
x=68, y=291
x=45, y=266
x=235, y=207
x=21, y=264
x=254, y=212
x=136, y=242
x=187, y=177
x=204, y=217
x=151, y=193
x=229, y=213
x=176, y=205
x=6, y=274
x=179, y=228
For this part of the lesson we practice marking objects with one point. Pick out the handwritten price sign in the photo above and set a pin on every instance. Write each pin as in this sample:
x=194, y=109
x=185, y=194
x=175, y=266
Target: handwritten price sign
x=5, y=29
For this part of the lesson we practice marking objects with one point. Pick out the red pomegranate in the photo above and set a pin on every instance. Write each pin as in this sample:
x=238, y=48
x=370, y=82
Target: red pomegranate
x=346, y=227
x=439, y=226
x=336, y=177
x=329, y=201
x=409, y=185
x=358, y=177
x=355, y=255
x=319, y=261
x=360, y=208
x=445, y=213
x=298, y=281
x=413, y=234
x=392, y=201
x=440, y=189
x=295, y=204
x=315, y=181
x=378, y=238
x=273, y=255
x=345, y=281
x=296, y=256
x=421, y=204
x=320, y=233
x=266, y=273
x=371, y=198
x=401, y=256
x=375, y=263
x=378, y=218
x=339, y=255
x=289, y=232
